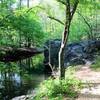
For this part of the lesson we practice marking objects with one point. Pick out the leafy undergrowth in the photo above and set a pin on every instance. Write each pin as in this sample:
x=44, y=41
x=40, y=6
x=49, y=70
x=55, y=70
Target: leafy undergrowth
x=96, y=66
x=55, y=89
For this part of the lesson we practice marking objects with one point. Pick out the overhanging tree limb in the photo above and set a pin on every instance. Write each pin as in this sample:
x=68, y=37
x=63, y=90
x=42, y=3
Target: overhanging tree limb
x=53, y=18
x=10, y=54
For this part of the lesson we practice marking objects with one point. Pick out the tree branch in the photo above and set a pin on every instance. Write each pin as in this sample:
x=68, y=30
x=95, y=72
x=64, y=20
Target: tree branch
x=62, y=1
x=86, y=22
x=53, y=18
x=74, y=8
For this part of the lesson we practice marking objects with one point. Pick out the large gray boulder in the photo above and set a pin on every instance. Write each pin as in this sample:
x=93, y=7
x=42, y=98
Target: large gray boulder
x=75, y=53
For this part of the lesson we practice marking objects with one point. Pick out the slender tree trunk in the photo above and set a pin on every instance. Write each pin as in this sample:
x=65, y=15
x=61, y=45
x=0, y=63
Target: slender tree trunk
x=20, y=40
x=62, y=51
x=20, y=4
x=28, y=4
x=69, y=15
x=61, y=63
x=64, y=41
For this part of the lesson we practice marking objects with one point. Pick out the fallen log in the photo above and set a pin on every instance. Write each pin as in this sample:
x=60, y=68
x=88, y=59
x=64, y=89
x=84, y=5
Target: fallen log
x=12, y=54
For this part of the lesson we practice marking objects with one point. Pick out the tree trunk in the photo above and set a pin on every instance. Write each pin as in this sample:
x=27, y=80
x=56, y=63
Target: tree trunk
x=28, y=4
x=69, y=15
x=20, y=4
x=62, y=51
x=61, y=63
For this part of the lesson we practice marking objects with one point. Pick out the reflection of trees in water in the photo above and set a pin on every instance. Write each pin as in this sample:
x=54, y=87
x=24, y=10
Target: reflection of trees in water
x=9, y=85
x=15, y=82
x=12, y=85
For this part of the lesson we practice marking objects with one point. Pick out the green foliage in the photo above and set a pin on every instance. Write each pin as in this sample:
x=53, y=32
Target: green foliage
x=55, y=89
x=33, y=25
x=23, y=24
x=96, y=65
x=38, y=63
x=9, y=68
x=78, y=29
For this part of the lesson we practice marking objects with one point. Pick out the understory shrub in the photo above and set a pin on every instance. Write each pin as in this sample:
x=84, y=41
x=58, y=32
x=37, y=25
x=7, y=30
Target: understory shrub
x=55, y=89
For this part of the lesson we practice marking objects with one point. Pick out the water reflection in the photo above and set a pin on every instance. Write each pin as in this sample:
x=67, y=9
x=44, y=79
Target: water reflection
x=12, y=84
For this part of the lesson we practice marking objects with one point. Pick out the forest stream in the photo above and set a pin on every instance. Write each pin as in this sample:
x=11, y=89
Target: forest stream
x=13, y=84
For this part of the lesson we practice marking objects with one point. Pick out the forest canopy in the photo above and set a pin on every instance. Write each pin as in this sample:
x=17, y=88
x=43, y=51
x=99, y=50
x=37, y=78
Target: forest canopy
x=37, y=22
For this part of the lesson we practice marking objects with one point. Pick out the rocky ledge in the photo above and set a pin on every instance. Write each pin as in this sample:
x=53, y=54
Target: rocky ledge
x=75, y=53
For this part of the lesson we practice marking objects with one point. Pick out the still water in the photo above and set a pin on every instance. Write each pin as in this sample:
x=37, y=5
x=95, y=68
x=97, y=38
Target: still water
x=13, y=84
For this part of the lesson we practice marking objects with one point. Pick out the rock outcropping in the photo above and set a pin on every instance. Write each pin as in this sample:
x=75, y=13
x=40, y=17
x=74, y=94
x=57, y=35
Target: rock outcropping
x=75, y=53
